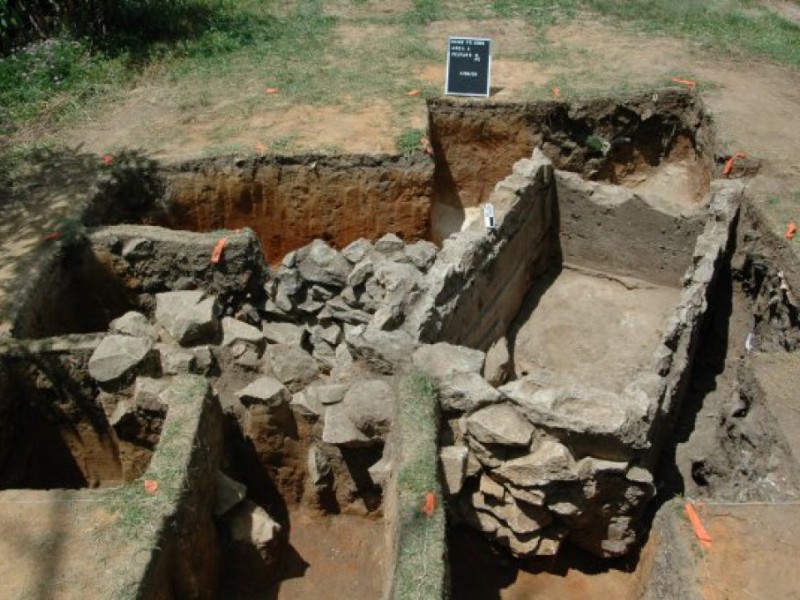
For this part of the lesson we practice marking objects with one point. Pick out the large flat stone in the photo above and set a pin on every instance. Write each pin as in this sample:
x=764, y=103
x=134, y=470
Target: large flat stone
x=118, y=355
x=443, y=360
x=500, y=424
x=188, y=316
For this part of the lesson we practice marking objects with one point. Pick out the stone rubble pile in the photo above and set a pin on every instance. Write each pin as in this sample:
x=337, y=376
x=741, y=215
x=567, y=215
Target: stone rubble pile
x=533, y=467
x=330, y=292
x=278, y=380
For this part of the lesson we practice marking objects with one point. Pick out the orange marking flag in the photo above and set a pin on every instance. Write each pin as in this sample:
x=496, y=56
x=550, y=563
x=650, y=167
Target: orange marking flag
x=151, y=486
x=430, y=504
x=216, y=253
x=731, y=161
x=697, y=525
x=687, y=82
x=413, y=93
x=791, y=229
x=556, y=92
x=272, y=90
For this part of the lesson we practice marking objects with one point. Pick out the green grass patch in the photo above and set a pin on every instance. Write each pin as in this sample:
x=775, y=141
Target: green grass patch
x=409, y=141
x=421, y=565
x=728, y=26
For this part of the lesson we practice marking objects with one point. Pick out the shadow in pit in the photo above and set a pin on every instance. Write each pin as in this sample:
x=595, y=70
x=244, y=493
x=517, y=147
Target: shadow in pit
x=245, y=574
x=705, y=378
x=481, y=571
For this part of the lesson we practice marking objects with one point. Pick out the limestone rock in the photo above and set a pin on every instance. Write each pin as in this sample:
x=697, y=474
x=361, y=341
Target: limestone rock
x=454, y=467
x=500, y=424
x=250, y=525
x=576, y=409
x=265, y=391
x=498, y=363
x=292, y=365
x=118, y=355
x=319, y=469
x=306, y=402
x=361, y=273
x=287, y=334
x=370, y=406
x=490, y=488
x=356, y=251
x=389, y=244
x=421, y=254
x=442, y=359
x=230, y=493
x=147, y=393
x=235, y=331
x=319, y=263
x=134, y=324
x=465, y=392
x=204, y=360
x=176, y=360
x=331, y=393
x=341, y=311
x=379, y=472
x=382, y=350
x=551, y=461
x=340, y=430
x=188, y=316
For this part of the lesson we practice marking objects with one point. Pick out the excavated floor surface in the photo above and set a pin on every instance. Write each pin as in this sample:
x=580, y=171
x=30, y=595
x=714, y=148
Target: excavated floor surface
x=587, y=328
x=480, y=573
x=336, y=556
x=48, y=541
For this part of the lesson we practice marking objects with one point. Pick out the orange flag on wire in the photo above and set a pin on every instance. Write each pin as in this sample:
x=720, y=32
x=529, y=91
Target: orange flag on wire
x=216, y=253
x=430, y=504
x=699, y=530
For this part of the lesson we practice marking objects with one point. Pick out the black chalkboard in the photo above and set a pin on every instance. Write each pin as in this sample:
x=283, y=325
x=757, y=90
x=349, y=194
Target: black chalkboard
x=469, y=63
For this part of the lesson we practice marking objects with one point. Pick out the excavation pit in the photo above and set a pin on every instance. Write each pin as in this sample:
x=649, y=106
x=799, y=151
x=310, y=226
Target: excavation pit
x=605, y=257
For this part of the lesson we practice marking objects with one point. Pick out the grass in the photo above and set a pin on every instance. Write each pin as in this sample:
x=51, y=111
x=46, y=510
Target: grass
x=408, y=141
x=420, y=568
x=733, y=27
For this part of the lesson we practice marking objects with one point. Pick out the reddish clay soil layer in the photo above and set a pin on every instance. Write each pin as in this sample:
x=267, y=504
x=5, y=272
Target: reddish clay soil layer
x=330, y=556
x=476, y=144
x=289, y=202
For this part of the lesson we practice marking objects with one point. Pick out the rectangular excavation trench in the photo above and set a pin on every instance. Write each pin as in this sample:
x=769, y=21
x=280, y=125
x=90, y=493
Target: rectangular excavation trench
x=586, y=264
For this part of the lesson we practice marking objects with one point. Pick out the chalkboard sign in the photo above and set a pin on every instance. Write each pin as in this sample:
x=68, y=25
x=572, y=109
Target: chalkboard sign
x=469, y=63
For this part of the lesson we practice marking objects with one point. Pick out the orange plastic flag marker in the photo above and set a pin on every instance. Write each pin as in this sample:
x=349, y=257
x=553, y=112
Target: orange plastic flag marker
x=107, y=159
x=687, y=82
x=697, y=525
x=430, y=504
x=556, y=92
x=726, y=171
x=216, y=253
x=272, y=90
x=261, y=148
x=791, y=229
x=413, y=93
x=151, y=486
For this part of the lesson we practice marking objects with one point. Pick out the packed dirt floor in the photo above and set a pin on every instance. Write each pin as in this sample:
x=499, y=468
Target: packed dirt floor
x=585, y=328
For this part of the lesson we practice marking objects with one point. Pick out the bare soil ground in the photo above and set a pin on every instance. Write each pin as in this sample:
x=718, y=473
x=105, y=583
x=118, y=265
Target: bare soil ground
x=46, y=544
x=589, y=329
x=336, y=556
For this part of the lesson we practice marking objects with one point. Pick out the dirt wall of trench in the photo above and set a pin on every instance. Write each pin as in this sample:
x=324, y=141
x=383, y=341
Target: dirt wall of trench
x=476, y=144
x=290, y=201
